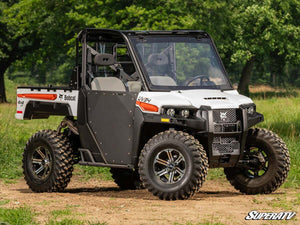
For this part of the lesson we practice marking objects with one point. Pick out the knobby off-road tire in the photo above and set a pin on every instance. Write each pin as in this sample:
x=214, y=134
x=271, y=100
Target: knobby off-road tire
x=126, y=179
x=173, y=165
x=272, y=174
x=48, y=161
x=74, y=143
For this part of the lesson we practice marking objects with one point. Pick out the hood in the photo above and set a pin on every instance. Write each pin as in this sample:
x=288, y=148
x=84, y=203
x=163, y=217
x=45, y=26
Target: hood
x=216, y=99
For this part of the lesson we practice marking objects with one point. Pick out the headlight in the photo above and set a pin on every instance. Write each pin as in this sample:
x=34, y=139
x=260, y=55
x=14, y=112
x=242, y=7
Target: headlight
x=251, y=110
x=185, y=113
x=180, y=112
x=170, y=112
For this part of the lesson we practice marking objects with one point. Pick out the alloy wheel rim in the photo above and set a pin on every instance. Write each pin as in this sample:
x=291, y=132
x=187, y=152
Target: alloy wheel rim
x=169, y=166
x=41, y=161
x=263, y=163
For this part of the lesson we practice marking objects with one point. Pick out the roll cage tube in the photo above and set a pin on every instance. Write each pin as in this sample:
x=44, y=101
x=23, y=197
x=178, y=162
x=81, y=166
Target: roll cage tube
x=107, y=35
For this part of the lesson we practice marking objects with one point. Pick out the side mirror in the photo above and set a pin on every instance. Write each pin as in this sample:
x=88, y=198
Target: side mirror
x=104, y=59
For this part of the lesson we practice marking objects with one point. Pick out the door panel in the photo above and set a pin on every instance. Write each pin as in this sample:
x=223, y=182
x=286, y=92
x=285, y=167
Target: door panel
x=110, y=116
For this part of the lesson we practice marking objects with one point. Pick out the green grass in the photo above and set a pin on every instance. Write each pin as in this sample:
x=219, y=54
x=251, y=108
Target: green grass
x=11, y=90
x=19, y=216
x=65, y=221
x=4, y=202
x=282, y=202
x=63, y=212
x=282, y=115
x=14, y=135
x=89, y=172
x=68, y=217
x=25, y=216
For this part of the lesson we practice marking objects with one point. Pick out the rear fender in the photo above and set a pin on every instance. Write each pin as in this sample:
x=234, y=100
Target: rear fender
x=38, y=103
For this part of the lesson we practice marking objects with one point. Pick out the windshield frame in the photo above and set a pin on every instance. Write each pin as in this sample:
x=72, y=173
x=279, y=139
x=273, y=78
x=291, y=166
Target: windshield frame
x=135, y=39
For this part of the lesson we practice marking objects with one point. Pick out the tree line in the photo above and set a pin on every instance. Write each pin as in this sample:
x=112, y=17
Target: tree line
x=257, y=40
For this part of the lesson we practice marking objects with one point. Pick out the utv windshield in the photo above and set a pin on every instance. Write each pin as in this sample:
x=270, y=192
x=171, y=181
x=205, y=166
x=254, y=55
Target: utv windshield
x=174, y=63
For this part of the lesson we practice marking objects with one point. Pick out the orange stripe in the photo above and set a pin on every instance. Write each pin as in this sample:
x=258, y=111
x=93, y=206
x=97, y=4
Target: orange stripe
x=147, y=107
x=39, y=96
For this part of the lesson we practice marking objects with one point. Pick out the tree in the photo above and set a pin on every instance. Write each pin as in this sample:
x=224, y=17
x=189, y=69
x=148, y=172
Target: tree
x=264, y=28
x=32, y=27
x=38, y=33
x=8, y=47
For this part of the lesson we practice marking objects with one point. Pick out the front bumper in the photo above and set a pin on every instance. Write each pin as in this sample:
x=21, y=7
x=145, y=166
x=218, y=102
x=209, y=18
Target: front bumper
x=225, y=140
x=197, y=124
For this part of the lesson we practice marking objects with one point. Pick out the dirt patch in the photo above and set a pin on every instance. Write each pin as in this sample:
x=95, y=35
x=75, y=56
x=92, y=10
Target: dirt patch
x=102, y=201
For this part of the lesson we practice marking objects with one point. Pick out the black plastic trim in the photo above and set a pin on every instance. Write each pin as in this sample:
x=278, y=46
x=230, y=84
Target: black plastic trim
x=92, y=162
x=255, y=119
x=198, y=124
x=48, y=88
x=42, y=110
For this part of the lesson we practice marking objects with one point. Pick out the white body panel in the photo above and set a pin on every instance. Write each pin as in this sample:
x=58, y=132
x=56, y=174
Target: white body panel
x=216, y=99
x=63, y=96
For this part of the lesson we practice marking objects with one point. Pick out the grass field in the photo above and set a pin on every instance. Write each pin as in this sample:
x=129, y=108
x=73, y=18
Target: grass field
x=281, y=116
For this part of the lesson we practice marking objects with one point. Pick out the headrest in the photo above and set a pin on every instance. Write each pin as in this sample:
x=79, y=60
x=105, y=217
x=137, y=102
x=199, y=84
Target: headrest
x=104, y=59
x=158, y=59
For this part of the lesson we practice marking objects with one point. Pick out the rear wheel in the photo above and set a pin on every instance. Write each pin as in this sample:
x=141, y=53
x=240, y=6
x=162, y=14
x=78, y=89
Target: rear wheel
x=48, y=161
x=173, y=165
x=269, y=164
x=126, y=179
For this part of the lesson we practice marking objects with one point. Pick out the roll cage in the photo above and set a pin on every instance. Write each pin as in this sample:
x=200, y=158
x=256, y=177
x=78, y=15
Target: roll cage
x=125, y=38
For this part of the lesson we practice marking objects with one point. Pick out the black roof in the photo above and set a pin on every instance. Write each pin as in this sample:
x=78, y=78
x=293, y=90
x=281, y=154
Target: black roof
x=118, y=33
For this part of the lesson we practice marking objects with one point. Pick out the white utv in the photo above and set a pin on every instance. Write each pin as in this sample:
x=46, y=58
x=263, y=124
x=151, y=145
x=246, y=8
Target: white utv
x=157, y=107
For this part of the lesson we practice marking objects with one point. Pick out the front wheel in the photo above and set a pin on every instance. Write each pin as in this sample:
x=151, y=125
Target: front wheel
x=173, y=165
x=269, y=167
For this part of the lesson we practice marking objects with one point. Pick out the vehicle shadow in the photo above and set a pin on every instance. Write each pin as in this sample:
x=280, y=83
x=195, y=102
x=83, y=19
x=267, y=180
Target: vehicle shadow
x=115, y=192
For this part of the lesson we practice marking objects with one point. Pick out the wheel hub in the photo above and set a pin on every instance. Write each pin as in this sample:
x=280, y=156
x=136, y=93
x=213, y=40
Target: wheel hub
x=257, y=163
x=171, y=165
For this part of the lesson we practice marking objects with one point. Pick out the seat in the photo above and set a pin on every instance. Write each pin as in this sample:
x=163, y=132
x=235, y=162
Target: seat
x=134, y=86
x=163, y=80
x=107, y=84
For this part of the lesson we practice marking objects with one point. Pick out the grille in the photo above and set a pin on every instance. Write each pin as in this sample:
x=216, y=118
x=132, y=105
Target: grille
x=227, y=145
x=225, y=116
x=224, y=140
x=227, y=127
x=218, y=127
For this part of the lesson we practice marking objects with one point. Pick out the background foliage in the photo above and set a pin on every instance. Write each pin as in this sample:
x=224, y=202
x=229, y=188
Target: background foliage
x=262, y=38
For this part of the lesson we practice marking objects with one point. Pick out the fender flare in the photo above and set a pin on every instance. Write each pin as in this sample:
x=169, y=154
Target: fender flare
x=42, y=110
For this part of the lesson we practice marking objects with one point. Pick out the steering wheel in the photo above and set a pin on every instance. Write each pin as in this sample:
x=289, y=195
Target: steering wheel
x=201, y=77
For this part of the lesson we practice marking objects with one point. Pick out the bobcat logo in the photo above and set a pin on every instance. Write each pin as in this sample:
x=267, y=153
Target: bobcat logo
x=223, y=116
